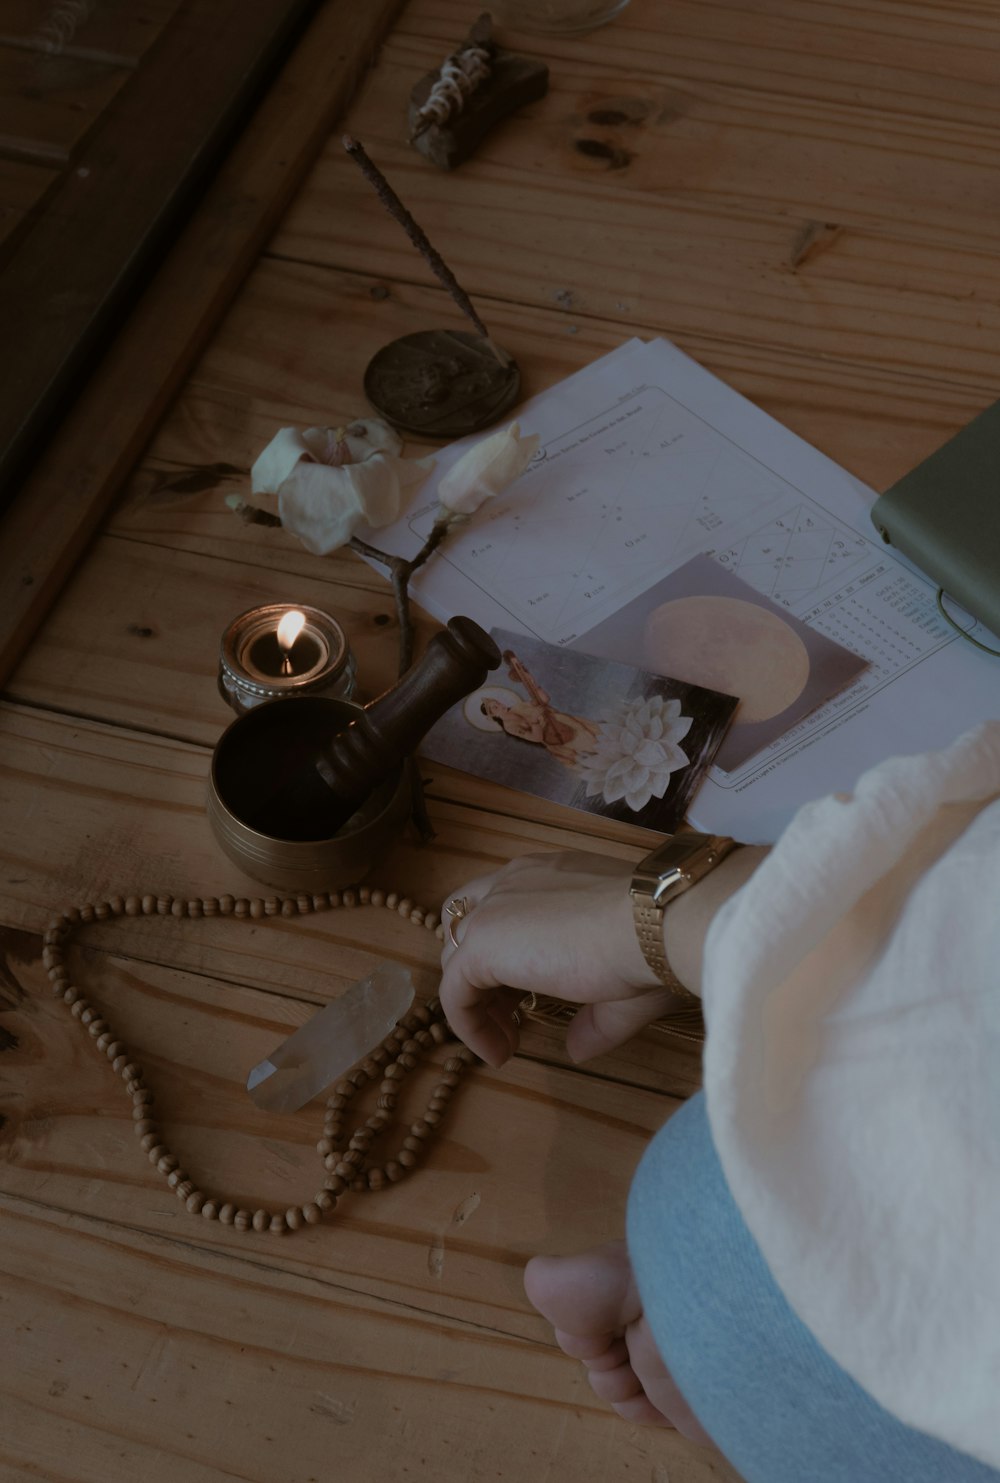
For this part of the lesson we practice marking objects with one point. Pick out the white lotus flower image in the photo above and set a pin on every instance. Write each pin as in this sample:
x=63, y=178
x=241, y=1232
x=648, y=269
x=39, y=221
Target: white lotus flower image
x=636, y=752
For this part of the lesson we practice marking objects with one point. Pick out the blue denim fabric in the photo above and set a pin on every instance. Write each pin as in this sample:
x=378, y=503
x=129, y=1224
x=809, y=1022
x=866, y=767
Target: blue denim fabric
x=776, y=1405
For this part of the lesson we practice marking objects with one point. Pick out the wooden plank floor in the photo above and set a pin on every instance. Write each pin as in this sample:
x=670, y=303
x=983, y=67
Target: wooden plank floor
x=805, y=198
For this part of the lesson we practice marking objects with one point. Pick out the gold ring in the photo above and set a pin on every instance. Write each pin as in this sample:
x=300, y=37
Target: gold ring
x=456, y=909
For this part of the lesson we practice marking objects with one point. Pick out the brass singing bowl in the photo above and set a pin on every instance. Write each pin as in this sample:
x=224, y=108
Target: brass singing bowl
x=251, y=753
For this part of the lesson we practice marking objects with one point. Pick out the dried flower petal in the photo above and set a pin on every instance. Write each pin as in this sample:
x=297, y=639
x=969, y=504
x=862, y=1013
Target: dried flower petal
x=487, y=468
x=331, y=480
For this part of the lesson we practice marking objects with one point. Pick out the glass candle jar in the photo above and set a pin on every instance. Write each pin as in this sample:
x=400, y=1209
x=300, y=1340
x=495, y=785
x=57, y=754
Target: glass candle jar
x=280, y=651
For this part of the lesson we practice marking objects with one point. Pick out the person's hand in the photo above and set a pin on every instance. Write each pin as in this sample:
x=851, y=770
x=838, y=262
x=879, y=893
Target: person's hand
x=560, y=925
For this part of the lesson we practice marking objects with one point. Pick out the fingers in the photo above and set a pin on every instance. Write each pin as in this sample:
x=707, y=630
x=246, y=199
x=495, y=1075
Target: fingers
x=598, y=1028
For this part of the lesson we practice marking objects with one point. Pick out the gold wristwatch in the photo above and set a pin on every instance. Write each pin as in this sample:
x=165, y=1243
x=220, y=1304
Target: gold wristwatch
x=671, y=868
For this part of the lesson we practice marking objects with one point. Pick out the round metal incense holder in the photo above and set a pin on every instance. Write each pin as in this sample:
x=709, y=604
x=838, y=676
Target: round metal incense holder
x=266, y=744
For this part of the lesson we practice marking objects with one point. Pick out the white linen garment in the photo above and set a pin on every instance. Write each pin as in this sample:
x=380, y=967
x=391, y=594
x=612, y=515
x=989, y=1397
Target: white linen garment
x=852, y=1078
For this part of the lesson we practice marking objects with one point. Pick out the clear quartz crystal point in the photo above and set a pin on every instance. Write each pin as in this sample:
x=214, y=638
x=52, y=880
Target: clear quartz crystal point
x=333, y=1041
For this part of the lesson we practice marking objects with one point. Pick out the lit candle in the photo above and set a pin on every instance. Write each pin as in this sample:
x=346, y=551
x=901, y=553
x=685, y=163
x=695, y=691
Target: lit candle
x=279, y=651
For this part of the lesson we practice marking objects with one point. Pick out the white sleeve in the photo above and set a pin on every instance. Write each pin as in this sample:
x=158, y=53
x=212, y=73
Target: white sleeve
x=852, y=1077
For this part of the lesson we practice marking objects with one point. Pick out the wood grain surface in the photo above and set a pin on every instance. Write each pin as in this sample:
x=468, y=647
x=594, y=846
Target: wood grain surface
x=804, y=197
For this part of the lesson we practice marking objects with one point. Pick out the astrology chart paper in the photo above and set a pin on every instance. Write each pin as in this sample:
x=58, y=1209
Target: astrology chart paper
x=646, y=461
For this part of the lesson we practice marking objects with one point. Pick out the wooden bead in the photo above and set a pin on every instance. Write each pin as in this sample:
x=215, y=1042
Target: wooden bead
x=432, y=1117
x=392, y=900
x=142, y=1097
x=113, y=1050
x=376, y=1178
x=438, y=1033
x=176, y=1177
x=358, y=1077
x=337, y=1101
x=133, y=906
x=372, y=1068
x=148, y=906
x=378, y=898
x=117, y=906
x=96, y=1027
x=386, y=1101
x=360, y=1141
x=210, y=1209
x=272, y=906
x=131, y=1071
x=325, y=1201
x=304, y=903
x=102, y=910
x=411, y=1047
x=394, y=1171
x=184, y=1188
x=394, y=1072
x=421, y=1128
x=227, y=1214
x=440, y=1098
x=407, y=1061
x=87, y=1014
x=424, y=1039
x=380, y=1056
x=324, y=1147
x=336, y=1184
x=256, y=908
x=289, y=908
x=163, y=905
x=135, y=1084
x=178, y=908
x=87, y=913
x=157, y=1152
x=413, y=1145
x=166, y=1163
x=345, y=1089
x=466, y=1056
x=70, y=995
x=359, y=1183
x=334, y=899
x=149, y=1139
x=406, y=1157
x=312, y=1214
x=432, y=921
x=416, y=915
x=138, y=1111
x=331, y=1161
x=343, y=1170
x=377, y=1122
x=227, y=905
x=140, y=1129
x=293, y=1217
x=241, y=908
x=210, y=908
x=104, y=1040
x=194, y=1202
x=243, y=1219
x=72, y=916
x=405, y=907
x=349, y=898
x=261, y=1220
x=277, y=1225
x=450, y=1079
x=453, y=1063
x=364, y=894
x=353, y=1158
x=321, y=902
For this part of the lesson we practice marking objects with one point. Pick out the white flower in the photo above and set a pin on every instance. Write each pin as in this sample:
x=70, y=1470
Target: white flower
x=329, y=481
x=637, y=751
x=486, y=469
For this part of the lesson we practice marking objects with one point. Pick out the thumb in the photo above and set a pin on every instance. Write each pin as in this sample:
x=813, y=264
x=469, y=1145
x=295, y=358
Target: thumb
x=598, y=1028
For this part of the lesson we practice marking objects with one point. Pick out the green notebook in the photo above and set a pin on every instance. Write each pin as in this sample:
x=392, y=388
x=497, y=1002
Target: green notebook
x=945, y=516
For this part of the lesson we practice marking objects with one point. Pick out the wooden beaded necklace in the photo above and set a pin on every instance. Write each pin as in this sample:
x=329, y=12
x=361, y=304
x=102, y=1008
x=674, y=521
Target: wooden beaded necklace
x=345, y=1157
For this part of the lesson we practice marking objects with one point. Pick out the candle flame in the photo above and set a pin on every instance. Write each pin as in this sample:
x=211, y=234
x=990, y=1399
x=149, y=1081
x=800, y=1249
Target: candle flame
x=290, y=627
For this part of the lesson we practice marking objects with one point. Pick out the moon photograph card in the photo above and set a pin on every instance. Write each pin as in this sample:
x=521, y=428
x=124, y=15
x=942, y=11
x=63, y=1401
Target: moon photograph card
x=706, y=626
x=595, y=734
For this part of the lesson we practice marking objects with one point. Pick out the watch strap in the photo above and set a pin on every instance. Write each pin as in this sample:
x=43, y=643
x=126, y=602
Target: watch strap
x=669, y=870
